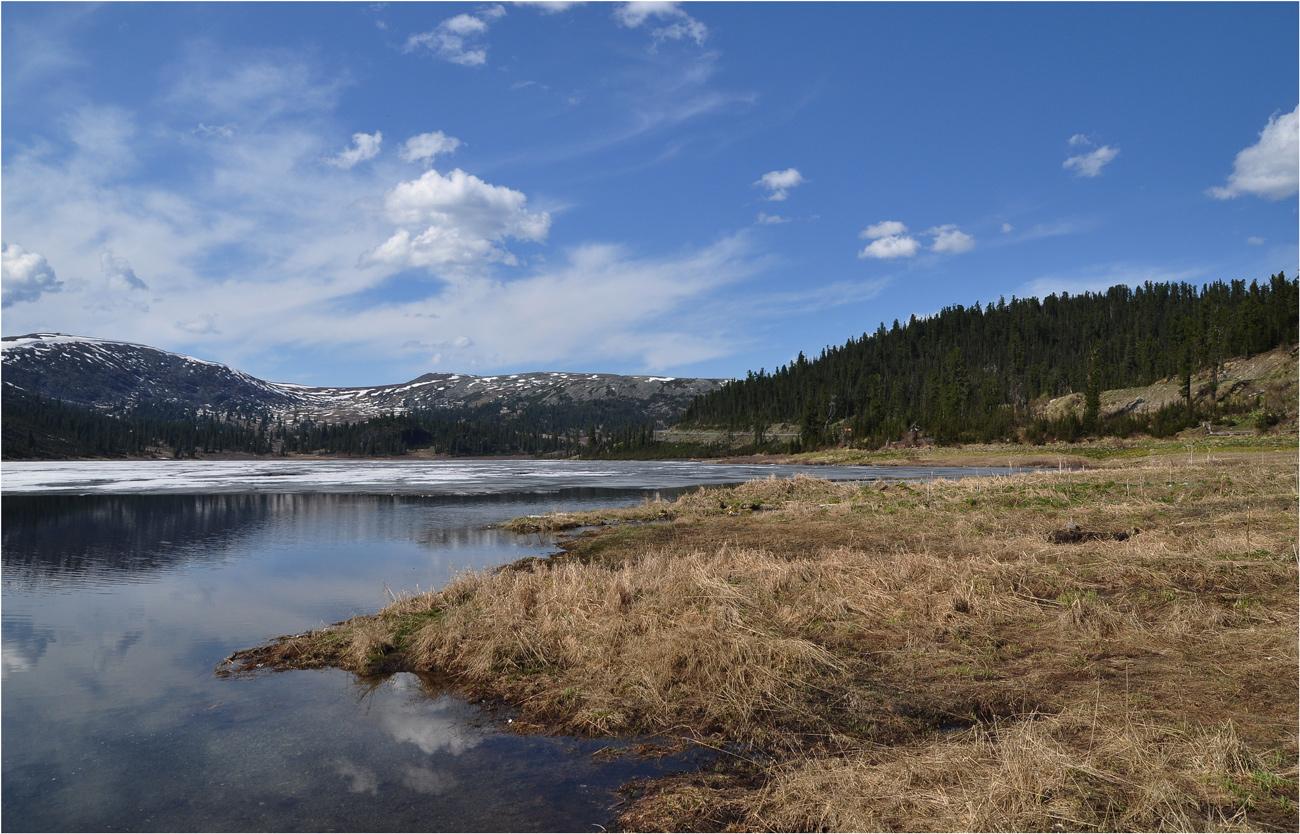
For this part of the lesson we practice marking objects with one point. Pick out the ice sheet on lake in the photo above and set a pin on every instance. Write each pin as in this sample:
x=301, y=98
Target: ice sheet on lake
x=412, y=477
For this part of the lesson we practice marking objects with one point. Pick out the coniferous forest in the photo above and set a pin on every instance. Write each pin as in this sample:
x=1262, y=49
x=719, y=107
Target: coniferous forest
x=969, y=373
x=38, y=427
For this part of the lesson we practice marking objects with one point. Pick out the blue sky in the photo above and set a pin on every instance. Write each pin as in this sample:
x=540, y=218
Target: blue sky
x=349, y=194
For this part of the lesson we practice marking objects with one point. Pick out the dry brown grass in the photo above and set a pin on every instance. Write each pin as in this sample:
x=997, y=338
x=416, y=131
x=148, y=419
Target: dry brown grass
x=1033, y=773
x=907, y=657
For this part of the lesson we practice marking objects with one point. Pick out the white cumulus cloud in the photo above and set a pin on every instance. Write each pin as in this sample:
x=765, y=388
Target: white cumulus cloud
x=1270, y=168
x=364, y=146
x=1090, y=164
x=1255, y=241
x=1007, y=227
x=949, y=238
x=891, y=246
x=889, y=239
x=765, y=219
x=456, y=39
x=779, y=183
x=886, y=228
x=679, y=24
x=428, y=146
x=455, y=219
x=24, y=276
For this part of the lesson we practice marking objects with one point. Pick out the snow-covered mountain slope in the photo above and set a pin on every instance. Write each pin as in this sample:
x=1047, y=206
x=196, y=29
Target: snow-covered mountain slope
x=106, y=374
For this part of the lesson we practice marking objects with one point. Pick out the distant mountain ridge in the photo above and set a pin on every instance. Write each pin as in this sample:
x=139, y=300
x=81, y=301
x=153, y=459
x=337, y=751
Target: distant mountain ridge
x=104, y=375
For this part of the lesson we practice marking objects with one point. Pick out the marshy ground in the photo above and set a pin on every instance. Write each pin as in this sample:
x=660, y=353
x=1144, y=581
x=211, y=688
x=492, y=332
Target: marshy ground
x=904, y=656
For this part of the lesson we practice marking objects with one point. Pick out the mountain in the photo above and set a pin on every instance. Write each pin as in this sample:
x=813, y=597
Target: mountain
x=108, y=375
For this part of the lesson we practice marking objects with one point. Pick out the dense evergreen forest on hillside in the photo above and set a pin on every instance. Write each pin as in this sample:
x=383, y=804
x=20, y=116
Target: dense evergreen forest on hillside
x=969, y=373
x=35, y=427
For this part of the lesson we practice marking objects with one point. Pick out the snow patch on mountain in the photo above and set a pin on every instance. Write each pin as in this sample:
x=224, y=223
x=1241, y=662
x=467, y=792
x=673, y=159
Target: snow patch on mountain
x=107, y=374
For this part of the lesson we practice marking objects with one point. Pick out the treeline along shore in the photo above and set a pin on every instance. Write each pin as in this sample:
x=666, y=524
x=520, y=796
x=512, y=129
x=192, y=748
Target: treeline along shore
x=986, y=373
x=1106, y=649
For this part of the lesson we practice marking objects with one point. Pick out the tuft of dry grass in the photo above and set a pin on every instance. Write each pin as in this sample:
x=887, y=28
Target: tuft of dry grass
x=649, y=510
x=1072, y=771
x=906, y=656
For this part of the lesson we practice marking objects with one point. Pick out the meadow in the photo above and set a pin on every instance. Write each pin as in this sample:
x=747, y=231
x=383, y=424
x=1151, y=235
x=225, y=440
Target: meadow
x=1075, y=649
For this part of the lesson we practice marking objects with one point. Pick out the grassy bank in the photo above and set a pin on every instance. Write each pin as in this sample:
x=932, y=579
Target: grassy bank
x=1192, y=444
x=1113, y=648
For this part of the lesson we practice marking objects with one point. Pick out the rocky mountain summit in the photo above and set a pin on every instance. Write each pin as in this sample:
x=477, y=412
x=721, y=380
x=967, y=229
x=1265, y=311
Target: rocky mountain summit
x=107, y=375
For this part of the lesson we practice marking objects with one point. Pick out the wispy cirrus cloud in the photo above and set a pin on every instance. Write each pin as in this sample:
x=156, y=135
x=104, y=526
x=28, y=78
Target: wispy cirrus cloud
x=1013, y=235
x=678, y=25
x=1053, y=229
x=650, y=310
x=218, y=131
x=1270, y=168
x=252, y=92
x=548, y=6
x=654, y=93
x=1101, y=277
x=119, y=273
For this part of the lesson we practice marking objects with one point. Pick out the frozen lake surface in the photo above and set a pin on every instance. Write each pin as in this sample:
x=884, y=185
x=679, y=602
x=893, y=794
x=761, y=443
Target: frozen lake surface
x=414, y=477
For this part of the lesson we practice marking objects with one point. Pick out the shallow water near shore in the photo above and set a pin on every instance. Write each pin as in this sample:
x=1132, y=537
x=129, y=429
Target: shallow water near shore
x=118, y=604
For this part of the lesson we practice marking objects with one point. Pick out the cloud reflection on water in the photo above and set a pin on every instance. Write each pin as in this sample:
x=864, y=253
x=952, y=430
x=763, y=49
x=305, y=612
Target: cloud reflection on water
x=428, y=723
x=361, y=779
x=425, y=780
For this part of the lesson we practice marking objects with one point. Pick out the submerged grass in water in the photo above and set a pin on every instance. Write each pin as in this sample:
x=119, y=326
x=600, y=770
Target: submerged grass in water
x=902, y=656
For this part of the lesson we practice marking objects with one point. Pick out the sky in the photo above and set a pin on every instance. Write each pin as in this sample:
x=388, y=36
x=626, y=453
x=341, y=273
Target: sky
x=359, y=193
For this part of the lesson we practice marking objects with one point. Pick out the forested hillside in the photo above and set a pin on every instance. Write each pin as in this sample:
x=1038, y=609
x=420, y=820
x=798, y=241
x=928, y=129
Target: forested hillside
x=36, y=427
x=971, y=373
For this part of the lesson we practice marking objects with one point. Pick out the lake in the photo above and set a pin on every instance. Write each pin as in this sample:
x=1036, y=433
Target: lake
x=126, y=583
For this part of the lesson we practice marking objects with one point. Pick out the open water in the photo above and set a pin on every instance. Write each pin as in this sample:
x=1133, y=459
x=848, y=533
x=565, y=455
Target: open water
x=125, y=584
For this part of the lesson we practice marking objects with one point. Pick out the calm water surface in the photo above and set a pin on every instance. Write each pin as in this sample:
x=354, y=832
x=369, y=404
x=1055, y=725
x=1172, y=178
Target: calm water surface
x=125, y=584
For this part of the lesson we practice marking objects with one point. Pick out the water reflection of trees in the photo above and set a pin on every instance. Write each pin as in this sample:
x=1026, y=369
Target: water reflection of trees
x=70, y=537
x=49, y=539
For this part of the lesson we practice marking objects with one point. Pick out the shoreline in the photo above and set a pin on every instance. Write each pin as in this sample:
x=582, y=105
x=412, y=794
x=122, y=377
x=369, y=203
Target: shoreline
x=837, y=637
x=1086, y=455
